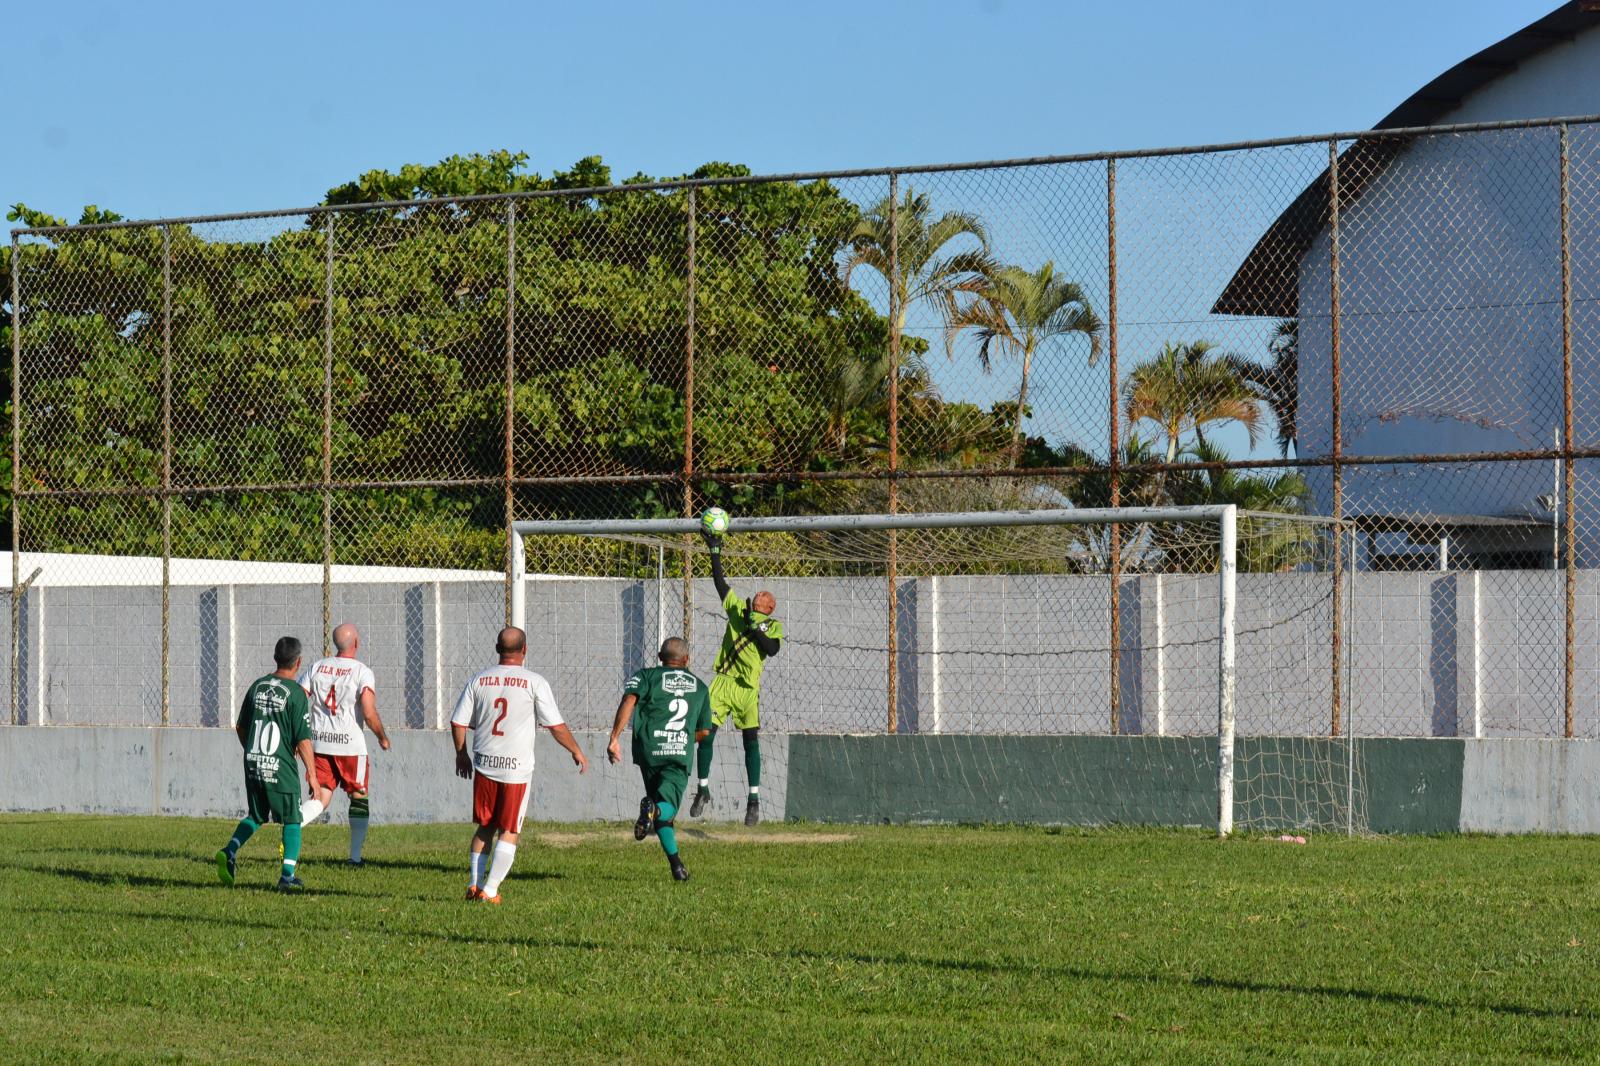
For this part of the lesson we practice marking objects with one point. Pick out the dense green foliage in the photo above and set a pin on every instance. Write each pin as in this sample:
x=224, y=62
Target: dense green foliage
x=798, y=944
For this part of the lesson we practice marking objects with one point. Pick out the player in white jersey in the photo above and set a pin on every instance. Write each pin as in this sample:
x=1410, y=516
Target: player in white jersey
x=503, y=707
x=343, y=698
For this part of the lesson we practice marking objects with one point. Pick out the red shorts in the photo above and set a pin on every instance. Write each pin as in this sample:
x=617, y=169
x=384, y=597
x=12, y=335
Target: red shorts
x=348, y=772
x=498, y=805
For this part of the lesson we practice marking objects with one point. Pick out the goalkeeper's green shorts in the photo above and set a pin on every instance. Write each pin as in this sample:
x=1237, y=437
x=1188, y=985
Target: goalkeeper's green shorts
x=731, y=699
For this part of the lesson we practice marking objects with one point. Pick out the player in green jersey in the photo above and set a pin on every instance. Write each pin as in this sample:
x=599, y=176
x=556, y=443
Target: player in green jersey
x=751, y=638
x=668, y=705
x=274, y=726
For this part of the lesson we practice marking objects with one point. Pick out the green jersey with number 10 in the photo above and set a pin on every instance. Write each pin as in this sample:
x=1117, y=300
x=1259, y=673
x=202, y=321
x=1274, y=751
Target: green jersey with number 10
x=278, y=718
x=673, y=706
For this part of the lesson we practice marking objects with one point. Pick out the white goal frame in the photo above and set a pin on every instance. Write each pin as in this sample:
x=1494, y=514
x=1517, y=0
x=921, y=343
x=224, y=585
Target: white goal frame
x=1224, y=515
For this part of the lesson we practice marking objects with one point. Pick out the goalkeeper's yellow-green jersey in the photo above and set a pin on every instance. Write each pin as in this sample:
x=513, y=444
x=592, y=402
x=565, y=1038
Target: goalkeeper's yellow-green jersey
x=739, y=657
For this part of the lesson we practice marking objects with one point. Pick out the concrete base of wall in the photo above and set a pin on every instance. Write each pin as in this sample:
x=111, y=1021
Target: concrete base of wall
x=1405, y=785
x=198, y=773
x=1531, y=786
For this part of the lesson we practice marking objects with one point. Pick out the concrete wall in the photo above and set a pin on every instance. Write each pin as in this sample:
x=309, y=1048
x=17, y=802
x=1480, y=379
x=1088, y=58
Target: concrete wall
x=198, y=772
x=1401, y=785
x=1435, y=654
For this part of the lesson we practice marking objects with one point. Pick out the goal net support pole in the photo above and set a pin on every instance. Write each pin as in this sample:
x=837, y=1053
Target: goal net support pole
x=1224, y=516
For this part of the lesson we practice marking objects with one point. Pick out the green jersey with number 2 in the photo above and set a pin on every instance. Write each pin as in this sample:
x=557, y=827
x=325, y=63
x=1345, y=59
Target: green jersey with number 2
x=278, y=718
x=672, y=708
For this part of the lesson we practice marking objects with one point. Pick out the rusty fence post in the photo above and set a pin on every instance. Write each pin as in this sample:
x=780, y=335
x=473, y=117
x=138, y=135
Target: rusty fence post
x=891, y=568
x=1113, y=437
x=1568, y=478
x=16, y=477
x=508, y=428
x=1336, y=699
x=327, y=439
x=166, y=475
x=688, y=411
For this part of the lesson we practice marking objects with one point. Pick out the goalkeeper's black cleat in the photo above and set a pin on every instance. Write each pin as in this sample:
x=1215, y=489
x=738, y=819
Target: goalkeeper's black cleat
x=680, y=872
x=752, y=811
x=702, y=799
x=647, y=819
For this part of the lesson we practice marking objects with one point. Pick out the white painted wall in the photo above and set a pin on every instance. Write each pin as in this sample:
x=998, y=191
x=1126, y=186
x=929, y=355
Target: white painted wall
x=1451, y=304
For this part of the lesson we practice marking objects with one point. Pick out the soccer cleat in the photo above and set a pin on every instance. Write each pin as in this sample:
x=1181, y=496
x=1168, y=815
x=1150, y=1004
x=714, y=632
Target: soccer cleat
x=486, y=898
x=702, y=799
x=354, y=863
x=474, y=893
x=647, y=819
x=290, y=884
x=680, y=872
x=226, y=865
x=752, y=811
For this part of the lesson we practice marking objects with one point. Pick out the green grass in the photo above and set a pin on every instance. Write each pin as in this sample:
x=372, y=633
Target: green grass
x=899, y=944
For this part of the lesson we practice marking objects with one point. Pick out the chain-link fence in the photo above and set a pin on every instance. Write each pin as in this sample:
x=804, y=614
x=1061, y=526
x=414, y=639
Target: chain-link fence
x=230, y=427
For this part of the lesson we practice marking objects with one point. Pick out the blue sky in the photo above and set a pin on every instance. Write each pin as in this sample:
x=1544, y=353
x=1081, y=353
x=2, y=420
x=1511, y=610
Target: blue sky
x=178, y=107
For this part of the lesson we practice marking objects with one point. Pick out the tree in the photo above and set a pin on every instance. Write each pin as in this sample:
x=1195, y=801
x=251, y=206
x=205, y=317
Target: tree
x=1186, y=388
x=1276, y=383
x=925, y=270
x=1017, y=312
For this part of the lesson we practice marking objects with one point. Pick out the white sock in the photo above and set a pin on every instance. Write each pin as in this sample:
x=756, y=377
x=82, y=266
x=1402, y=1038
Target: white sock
x=480, y=859
x=705, y=782
x=310, y=811
x=755, y=790
x=501, y=866
x=358, y=837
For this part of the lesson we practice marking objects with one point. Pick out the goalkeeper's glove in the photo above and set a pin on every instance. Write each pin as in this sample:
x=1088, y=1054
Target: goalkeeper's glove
x=713, y=541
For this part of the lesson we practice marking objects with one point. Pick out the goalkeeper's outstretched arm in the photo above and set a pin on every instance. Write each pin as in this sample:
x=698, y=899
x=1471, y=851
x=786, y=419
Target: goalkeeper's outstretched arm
x=714, y=545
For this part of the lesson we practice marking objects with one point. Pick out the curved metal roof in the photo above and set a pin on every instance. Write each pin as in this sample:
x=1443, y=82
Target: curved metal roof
x=1266, y=283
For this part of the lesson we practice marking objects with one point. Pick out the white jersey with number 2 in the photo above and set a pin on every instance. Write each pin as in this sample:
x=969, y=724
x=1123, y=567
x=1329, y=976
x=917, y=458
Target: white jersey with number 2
x=504, y=707
x=333, y=687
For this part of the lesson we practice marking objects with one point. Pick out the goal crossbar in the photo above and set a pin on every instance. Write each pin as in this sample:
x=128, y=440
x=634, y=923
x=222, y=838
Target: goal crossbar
x=1224, y=515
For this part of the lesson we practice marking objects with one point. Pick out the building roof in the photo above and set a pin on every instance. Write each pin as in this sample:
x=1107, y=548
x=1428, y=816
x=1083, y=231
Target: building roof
x=1266, y=283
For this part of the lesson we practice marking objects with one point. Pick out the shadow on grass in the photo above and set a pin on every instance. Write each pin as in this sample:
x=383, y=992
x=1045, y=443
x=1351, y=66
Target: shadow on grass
x=979, y=966
x=119, y=879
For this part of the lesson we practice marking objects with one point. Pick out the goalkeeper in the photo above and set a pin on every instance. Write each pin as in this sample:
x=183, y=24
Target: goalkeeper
x=751, y=638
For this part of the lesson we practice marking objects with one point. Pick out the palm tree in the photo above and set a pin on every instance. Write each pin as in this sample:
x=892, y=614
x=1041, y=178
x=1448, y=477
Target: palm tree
x=923, y=271
x=1186, y=388
x=1017, y=312
x=1276, y=383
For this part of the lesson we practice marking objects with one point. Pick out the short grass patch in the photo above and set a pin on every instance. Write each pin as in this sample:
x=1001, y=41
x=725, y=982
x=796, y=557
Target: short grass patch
x=879, y=943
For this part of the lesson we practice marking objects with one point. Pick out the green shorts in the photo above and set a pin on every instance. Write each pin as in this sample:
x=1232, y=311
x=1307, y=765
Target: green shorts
x=728, y=697
x=665, y=784
x=267, y=805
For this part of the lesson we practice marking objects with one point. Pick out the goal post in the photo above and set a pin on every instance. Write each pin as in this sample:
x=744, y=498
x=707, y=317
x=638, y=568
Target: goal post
x=1224, y=516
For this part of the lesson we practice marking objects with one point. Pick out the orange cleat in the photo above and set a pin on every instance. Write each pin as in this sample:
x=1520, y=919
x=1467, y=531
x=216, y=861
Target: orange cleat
x=474, y=892
x=495, y=899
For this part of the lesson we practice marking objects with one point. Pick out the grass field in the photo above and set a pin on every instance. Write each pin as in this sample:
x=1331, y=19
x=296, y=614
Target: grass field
x=797, y=943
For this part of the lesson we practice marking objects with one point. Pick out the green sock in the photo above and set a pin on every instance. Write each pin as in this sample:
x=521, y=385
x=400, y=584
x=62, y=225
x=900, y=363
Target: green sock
x=243, y=831
x=291, y=849
x=752, y=757
x=703, y=754
x=665, y=833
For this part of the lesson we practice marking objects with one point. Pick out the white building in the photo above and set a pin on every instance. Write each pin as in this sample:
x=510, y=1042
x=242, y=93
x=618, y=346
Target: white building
x=1450, y=302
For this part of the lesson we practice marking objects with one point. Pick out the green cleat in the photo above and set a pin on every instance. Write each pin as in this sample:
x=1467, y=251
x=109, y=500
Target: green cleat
x=226, y=864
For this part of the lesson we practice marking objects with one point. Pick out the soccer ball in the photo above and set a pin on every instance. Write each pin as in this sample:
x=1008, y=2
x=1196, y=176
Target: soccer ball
x=714, y=520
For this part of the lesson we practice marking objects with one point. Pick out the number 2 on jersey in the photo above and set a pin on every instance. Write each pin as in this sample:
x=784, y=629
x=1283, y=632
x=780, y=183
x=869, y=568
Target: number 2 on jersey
x=680, y=711
x=502, y=706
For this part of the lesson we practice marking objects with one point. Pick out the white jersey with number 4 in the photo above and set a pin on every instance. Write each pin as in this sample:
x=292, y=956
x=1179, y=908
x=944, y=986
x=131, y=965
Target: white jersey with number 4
x=504, y=706
x=333, y=687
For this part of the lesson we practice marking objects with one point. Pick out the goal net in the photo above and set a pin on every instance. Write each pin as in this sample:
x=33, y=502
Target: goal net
x=981, y=666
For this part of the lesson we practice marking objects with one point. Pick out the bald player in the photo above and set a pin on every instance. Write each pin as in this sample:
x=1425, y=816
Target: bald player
x=343, y=699
x=501, y=708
